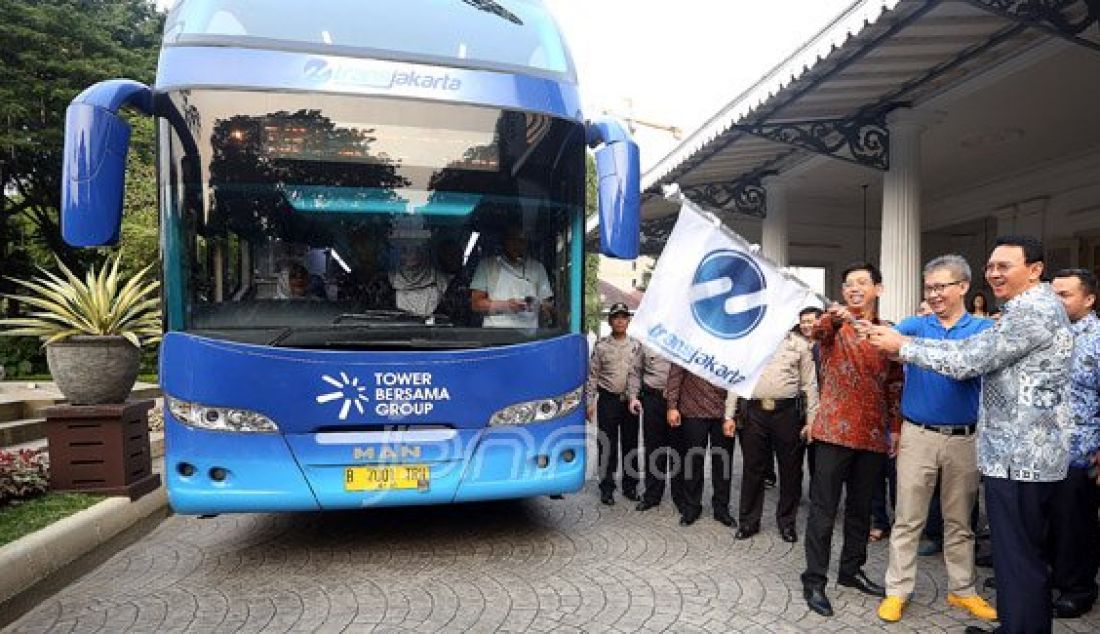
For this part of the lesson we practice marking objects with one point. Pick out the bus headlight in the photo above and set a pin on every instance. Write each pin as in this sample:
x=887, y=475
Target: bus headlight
x=538, y=411
x=220, y=418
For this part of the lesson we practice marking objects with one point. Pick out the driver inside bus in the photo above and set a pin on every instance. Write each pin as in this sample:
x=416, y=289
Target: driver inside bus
x=511, y=289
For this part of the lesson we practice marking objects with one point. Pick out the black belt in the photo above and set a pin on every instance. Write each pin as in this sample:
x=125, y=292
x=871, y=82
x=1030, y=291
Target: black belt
x=617, y=395
x=949, y=430
x=770, y=404
x=652, y=391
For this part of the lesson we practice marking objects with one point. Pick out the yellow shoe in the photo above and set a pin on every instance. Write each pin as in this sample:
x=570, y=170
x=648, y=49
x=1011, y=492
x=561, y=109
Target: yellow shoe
x=890, y=609
x=972, y=604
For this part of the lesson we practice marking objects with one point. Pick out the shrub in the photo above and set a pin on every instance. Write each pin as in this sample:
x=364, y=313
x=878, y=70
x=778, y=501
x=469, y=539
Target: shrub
x=23, y=474
x=21, y=357
x=104, y=303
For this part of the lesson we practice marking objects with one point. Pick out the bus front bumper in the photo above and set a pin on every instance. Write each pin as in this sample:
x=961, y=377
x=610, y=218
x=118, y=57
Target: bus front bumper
x=217, y=472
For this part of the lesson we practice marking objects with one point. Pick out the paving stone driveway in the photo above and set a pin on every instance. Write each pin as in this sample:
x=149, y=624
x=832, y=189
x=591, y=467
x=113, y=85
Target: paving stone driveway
x=534, y=565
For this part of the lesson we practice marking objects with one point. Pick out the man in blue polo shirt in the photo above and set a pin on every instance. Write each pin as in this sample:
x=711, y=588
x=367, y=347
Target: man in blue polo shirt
x=937, y=440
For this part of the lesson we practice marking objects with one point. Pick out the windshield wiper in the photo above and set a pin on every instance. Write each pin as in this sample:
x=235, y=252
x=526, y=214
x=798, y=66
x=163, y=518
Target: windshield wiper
x=399, y=344
x=286, y=332
x=393, y=317
x=367, y=319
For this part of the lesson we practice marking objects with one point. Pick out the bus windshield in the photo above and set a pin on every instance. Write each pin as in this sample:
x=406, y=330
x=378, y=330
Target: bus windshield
x=340, y=222
x=509, y=34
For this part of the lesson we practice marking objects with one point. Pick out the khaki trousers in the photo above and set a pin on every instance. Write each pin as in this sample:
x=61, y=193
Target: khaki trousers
x=922, y=455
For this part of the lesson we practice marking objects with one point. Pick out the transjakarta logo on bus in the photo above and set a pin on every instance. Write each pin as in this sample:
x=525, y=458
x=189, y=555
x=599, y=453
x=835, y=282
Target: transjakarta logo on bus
x=395, y=394
x=323, y=71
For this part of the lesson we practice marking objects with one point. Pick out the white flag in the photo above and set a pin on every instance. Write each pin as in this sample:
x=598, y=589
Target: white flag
x=715, y=308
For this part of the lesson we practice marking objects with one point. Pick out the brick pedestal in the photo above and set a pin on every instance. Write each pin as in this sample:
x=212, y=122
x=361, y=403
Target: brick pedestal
x=101, y=449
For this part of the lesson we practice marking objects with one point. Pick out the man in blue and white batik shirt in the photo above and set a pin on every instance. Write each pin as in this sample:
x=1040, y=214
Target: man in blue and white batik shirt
x=1023, y=420
x=1074, y=535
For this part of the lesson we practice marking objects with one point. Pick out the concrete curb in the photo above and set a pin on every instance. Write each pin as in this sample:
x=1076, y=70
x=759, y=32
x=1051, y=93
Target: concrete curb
x=34, y=557
x=31, y=563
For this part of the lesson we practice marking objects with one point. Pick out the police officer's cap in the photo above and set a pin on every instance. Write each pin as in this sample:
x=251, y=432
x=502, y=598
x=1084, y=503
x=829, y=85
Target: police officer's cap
x=618, y=308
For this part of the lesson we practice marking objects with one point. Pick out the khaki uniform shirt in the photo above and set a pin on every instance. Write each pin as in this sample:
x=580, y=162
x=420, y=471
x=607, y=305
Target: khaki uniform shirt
x=648, y=370
x=611, y=363
x=790, y=370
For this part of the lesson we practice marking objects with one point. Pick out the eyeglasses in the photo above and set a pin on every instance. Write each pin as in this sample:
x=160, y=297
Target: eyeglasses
x=938, y=289
x=858, y=282
x=999, y=267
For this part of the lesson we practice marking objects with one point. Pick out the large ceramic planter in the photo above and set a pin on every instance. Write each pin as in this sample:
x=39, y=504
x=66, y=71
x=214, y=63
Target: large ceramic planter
x=92, y=370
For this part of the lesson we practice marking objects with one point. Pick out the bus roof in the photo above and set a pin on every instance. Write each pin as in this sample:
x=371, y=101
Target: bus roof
x=505, y=35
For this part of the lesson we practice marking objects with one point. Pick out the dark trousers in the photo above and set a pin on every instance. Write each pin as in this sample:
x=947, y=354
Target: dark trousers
x=696, y=433
x=1019, y=515
x=762, y=432
x=1074, y=538
x=854, y=472
x=662, y=450
x=811, y=454
x=885, y=495
x=769, y=469
x=615, y=422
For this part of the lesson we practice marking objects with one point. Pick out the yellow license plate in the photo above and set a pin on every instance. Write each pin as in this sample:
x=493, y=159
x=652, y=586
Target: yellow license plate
x=388, y=477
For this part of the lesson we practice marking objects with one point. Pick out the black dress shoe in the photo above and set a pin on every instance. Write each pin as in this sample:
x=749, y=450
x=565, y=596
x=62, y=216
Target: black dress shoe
x=976, y=629
x=861, y=582
x=724, y=518
x=769, y=482
x=817, y=601
x=607, y=497
x=645, y=505
x=681, y=504
x=788, y=535
x=632, y=496
x=1067, y=608
x=745, y=533
x=687, y=519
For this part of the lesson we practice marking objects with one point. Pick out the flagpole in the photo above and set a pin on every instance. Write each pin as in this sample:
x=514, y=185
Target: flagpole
x=672, y=192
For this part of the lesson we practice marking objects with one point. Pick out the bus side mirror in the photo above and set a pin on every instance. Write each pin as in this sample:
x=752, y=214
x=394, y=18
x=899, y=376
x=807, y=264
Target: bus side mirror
x=618, y=173
x=93, y=171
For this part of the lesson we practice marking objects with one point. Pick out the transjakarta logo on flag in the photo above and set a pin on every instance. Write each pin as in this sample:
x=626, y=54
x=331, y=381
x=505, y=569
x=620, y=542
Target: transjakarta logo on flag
x=713, y=307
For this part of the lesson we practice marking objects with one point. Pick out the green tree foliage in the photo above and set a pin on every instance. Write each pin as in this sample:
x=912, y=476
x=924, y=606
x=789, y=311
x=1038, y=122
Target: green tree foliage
x=50, y=51
x=591, y=260
x=139, y=243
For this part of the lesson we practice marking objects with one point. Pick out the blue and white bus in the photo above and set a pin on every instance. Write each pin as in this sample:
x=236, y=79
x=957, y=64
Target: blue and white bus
x=372, y=222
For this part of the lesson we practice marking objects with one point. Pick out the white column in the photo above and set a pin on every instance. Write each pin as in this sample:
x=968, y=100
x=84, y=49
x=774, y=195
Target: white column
x=775, y=237
x=900, y=255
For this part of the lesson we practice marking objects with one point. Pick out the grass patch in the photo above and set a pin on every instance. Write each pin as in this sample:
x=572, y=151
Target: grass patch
x=17, y=520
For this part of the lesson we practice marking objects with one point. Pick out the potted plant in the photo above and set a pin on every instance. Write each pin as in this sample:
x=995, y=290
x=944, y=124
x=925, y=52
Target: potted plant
x=93, y=329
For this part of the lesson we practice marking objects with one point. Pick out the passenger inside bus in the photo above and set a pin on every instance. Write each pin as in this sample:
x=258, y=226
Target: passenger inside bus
x=294, y=282
x=417, y=282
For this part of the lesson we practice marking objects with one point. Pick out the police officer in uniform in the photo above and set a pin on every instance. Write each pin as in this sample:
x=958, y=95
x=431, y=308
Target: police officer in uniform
x=645, y=392
x=773, y=419
x=612, y=360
